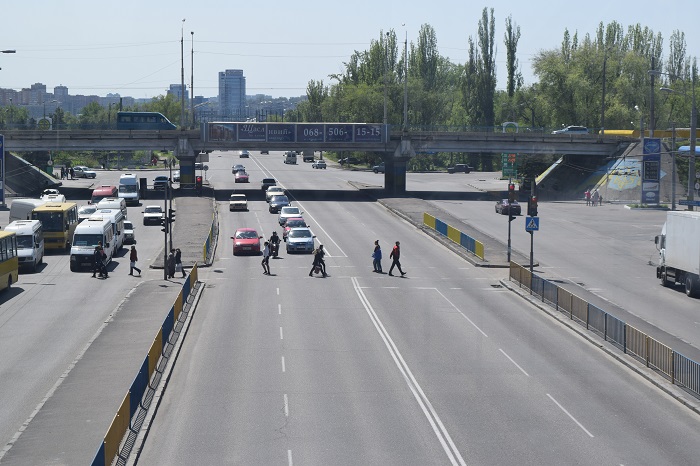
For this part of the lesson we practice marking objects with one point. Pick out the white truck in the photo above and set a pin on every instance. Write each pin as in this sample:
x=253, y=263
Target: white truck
x=679, y=251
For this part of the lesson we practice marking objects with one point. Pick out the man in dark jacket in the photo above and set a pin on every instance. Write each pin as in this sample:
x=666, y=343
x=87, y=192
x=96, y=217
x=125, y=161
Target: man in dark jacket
x=395, y=255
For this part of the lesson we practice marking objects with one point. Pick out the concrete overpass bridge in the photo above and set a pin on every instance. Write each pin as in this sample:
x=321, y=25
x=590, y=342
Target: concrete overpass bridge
x=395, y=147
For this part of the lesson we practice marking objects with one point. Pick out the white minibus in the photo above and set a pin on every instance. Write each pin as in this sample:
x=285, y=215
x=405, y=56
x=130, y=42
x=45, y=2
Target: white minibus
x=87, y=235
x=30, y=242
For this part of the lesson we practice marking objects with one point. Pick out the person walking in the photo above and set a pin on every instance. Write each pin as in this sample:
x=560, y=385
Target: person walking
x=377, y=257
x=133, y=258
x=594, y=198
x=97, y=260
x=178, y=262
x=395, y=255
x=170, y=264
x=587, y=195
x=318, y=261
x=266, y=259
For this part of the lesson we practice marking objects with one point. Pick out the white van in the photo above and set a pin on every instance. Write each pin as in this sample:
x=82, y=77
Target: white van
x=117, y=218
x=87, y=234
x=53, y=197
x=30, y=242
x=290, y=157
x=129, y=188
x=21, y=209
x=112, y=203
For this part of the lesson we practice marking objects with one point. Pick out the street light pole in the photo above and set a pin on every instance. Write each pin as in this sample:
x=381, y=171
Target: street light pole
x=602, y=104
x=182, y=76
x=192, y=80
x=693, y=140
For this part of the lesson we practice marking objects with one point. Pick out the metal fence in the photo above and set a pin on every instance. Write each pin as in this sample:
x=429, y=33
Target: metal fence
x=677, y=368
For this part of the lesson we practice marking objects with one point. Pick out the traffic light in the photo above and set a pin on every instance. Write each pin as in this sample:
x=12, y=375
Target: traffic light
x=511, y=193
x=532, y=206
x=165, y=224
x=198, y=182
x=171, y=215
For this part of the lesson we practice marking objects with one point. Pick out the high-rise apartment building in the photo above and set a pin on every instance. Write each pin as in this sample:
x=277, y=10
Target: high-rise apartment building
x=232, y=94
x=176, y=91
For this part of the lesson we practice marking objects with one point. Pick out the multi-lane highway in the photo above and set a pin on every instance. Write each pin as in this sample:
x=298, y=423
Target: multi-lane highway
x=443, y=366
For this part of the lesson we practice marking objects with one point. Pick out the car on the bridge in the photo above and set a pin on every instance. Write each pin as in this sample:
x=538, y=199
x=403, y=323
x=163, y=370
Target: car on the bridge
x=241, y=177
x=246, y=240
x=237, y=167
x=300, y=240
x=504, y=207
x=572, y=130
x=378, y=168
x=319, y=164
x=153, y=214
x=244, y=154
x=264, y=152
x=277, y=202
x=237, y=202
x=83, y=172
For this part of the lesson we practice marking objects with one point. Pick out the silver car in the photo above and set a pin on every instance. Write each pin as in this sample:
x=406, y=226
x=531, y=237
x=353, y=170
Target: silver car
x=288, y=212
x=129, y=234
x=300, y=240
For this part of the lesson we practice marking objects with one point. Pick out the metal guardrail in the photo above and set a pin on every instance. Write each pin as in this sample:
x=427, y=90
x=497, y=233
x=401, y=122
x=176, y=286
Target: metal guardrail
x=130, y=411
x=464, y=240
x=678, y=369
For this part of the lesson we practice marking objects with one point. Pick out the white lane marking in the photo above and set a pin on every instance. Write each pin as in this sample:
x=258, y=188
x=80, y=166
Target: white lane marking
x=278, y=291
x=289, y=458
x=281, y=334
x=438, y=427
x=515, y=363
x=279, y=309
x=284, y=368
x=569, y=414
x=286, y=405
x=463, y=314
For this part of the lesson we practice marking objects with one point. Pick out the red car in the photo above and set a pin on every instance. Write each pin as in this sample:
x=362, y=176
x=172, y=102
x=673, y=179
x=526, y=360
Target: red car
x=293, y=222
x=246, y=241
x=241, y=177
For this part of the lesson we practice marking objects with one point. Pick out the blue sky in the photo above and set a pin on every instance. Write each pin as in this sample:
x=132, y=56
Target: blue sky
x=133, y=47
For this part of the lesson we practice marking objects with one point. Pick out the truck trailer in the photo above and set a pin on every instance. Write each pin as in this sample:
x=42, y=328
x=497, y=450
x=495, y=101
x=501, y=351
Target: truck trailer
x=679, y=251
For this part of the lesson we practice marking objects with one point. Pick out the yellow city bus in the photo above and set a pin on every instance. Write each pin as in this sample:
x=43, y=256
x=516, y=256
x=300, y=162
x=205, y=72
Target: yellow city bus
x=9, y=263
x=58, y=220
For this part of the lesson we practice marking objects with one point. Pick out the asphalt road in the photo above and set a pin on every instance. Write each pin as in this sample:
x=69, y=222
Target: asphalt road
x=441, y=367
x=48, y=318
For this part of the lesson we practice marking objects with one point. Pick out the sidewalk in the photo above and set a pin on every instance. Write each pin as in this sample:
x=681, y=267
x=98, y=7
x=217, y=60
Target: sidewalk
x=69, y=425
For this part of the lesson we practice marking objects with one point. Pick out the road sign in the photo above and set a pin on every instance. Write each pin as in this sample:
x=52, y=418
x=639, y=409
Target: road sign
x=687, y=202
x=532, y=223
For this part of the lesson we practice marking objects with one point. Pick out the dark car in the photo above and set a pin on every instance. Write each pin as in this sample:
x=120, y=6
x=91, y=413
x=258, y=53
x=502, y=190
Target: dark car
x=277, y=202
x=160, y=182
x=378, y=168
x=460, y=168
x=349, y=161
x=504, y=207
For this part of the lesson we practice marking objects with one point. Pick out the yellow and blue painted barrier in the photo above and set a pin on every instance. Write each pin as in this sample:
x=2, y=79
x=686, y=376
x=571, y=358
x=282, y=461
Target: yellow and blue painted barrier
x=109, y=448
x=464, y=240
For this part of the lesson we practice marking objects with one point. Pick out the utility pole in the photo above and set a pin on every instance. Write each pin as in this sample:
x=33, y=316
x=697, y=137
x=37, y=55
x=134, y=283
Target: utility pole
x=192, y=82
x=183, y=123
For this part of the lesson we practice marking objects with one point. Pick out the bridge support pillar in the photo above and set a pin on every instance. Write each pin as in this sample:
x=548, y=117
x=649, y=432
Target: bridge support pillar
x=186, y=156
x=395, y=168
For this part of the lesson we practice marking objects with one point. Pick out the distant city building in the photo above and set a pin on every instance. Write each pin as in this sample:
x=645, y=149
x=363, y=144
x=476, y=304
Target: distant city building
x=232, y=101
x=176, y=91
